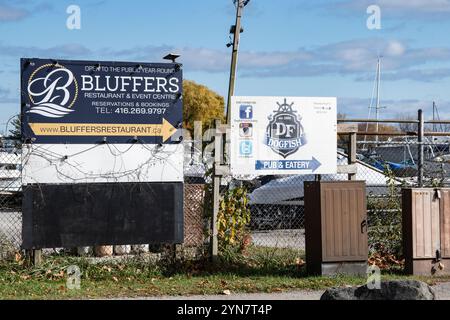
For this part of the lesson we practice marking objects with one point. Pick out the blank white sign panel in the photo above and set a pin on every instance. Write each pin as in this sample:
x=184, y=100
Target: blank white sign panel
x=87, y=163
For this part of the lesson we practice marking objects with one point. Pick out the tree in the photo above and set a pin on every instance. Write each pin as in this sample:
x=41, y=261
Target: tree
x=407, y=127
x=341, y=116
x=342, y=140
x=16, y=132
x=201, y=104
x=372, y=128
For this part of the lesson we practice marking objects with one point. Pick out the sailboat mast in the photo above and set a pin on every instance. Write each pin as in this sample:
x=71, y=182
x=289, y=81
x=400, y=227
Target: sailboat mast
x=434, y=116
x=377, y=108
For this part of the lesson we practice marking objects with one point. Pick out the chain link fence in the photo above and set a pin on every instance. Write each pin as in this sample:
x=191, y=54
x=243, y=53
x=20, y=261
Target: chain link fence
x=386, y=165
x=275, y=202
x=11, y=207
x=10, y=197
x=397, y=158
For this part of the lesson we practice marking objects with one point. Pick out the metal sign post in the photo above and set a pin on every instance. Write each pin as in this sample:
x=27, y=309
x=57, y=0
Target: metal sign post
x=216, y=192
x=219, y=171
x=421, y=154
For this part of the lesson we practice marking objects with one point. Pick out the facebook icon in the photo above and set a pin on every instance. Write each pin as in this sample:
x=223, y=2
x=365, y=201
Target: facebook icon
x=246, y=111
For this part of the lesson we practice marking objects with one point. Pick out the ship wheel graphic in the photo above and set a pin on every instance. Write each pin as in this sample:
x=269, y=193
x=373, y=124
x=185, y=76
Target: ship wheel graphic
x=285, y=133
x=285, y=107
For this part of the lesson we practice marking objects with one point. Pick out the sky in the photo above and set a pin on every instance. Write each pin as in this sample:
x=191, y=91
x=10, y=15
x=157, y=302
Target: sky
x=288, y=47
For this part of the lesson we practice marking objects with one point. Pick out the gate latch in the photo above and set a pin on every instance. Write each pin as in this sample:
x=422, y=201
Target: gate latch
x=364, y=226
x=437, y=194
x=438, y=256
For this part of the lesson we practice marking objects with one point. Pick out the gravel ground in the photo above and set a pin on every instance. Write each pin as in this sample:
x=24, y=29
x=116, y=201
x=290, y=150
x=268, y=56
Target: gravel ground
x=294, y=239
x=294, y=295
x=442, y=293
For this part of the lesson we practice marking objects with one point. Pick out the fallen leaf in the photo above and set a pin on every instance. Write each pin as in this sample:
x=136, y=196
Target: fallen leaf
x=299, y=262
x=17, y=257
x=115, y=279
x=60, y=274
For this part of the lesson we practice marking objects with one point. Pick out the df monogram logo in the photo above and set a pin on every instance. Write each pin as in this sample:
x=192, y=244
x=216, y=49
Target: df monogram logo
x=285, y=133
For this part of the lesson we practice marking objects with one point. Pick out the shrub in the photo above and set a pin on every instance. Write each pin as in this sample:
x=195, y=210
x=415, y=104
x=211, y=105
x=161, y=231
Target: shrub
x=233, y=219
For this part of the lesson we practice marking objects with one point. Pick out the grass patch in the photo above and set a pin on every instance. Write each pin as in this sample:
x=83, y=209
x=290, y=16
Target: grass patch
x=257, y=270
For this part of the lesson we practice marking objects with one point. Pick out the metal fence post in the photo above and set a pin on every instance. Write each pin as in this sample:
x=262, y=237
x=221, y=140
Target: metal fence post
x=420, y=155
x=216, y=192
x=34, y=256
x=352, y=153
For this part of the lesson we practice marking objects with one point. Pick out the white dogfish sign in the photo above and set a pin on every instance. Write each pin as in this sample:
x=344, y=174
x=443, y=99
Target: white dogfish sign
x=283, y=135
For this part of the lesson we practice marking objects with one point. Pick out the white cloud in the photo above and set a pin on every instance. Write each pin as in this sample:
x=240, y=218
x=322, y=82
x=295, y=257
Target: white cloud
x=423, y=75
x=5, y=96
x=356, y=58
x=3, y=92
x=8, y=13
x=16, y=10
x=61, y=51
x=359, y=107
x=210, y=60
x=395, y=48
x=404, y=9
x=431, y=6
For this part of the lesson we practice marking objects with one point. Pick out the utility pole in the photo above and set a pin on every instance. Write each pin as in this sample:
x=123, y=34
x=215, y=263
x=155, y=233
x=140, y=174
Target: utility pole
x=218, y=140
x=240, y=4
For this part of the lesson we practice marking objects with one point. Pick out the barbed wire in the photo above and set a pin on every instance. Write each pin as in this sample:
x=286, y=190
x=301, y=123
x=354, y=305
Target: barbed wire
x=157, y=155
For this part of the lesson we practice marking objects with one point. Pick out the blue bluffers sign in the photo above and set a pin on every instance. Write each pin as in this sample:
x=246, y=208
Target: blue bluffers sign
x=87, y=102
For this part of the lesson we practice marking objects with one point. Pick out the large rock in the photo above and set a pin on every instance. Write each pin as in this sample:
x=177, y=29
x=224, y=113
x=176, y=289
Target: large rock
x=339, y=294
x=390, y=290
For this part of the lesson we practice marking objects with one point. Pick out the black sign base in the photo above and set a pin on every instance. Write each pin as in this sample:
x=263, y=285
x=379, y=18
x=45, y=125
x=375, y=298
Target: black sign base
x=74, y=215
